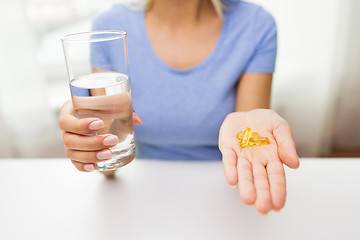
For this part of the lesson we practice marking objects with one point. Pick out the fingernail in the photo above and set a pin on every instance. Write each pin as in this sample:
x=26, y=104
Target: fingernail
x=232, y=186
x=106, y=154
x=137, y=117
x=96, y=125
x=89, y=167
x=111, y=140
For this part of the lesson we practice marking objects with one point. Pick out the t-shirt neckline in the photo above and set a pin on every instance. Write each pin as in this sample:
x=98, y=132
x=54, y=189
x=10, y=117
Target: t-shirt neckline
x=169, y=68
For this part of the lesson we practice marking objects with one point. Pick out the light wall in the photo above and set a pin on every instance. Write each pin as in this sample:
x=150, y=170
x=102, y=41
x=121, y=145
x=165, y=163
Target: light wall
x=28, y=124
x=347, y=124
x=312, y=69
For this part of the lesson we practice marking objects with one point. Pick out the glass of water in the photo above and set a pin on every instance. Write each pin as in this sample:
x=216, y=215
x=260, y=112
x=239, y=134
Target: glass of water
x=98, y=70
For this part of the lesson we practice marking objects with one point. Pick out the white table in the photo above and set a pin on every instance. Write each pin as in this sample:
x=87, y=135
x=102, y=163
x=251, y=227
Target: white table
x=49, y=199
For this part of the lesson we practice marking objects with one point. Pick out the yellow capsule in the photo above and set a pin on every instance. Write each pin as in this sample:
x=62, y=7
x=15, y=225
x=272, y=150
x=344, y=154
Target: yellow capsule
x=259, y=141
x=248, y=138
x=239, y=135
x=245, y=138
x=254, y=135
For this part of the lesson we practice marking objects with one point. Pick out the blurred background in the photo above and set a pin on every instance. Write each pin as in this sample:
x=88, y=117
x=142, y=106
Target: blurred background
x=316, y=86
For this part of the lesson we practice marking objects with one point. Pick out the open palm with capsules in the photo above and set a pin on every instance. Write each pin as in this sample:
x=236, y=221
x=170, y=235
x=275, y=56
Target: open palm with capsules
x=258, y=169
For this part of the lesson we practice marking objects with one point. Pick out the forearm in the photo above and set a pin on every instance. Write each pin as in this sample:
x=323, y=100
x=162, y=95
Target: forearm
x=253, y=91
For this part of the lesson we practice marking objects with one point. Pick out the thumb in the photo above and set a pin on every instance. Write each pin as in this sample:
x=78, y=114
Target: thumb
x=286, y=145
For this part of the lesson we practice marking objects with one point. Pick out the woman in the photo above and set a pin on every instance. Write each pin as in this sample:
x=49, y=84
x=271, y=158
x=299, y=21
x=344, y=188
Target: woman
x=197, y=65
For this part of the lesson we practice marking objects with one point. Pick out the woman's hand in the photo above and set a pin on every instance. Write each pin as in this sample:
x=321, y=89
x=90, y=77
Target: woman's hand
x=258, y=170
x=85, y=151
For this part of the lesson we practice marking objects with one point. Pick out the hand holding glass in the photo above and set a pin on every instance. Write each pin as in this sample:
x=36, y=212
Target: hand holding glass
x=98, y=70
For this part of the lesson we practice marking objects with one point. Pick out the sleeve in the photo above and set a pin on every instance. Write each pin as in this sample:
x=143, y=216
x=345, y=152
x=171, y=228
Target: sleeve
x=264, y=57
x=99, y=54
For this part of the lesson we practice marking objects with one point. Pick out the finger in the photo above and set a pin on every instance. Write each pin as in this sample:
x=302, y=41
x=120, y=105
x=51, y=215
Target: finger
x=104, y=105
x=69, y=123
x=89, y=143
x=286, y=145
x=229, y=161
x=88, y=157
x=137, y=119
x=276, y=175
x=246, y=182
x=83, y=167
x=263, y=199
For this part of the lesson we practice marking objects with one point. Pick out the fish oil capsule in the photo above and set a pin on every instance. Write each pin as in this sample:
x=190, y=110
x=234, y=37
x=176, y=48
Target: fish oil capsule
x=248, y=138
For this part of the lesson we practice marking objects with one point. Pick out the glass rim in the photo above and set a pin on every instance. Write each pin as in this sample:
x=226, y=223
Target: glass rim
x=77, y=37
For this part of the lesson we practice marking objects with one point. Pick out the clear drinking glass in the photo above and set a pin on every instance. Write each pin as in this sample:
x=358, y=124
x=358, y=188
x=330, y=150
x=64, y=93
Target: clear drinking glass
x=98, y=70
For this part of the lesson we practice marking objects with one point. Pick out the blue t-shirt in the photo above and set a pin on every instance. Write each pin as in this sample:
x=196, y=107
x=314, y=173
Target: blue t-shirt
x=183, y=110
